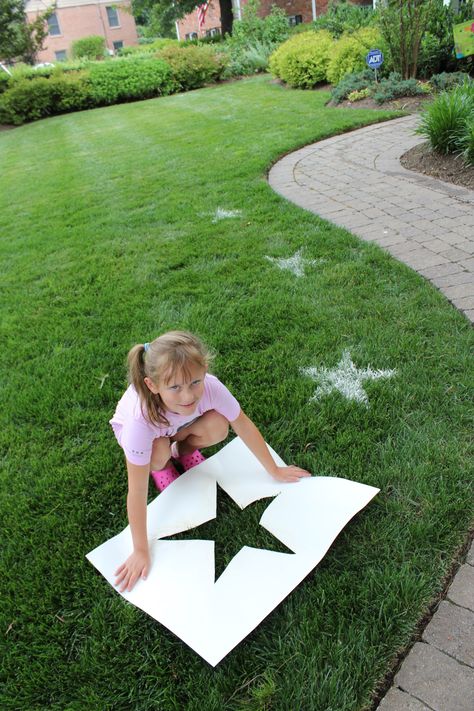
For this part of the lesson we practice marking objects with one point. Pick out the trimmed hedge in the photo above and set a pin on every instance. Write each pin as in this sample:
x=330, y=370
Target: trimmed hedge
x=303, y=59
x=30, y=100
x=130, y=78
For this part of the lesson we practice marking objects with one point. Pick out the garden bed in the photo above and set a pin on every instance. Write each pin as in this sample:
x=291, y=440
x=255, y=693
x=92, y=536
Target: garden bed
x=449, y=168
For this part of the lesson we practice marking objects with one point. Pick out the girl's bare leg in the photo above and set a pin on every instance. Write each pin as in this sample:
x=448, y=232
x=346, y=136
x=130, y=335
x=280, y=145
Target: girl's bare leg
x=211, y=428
x=160, y=454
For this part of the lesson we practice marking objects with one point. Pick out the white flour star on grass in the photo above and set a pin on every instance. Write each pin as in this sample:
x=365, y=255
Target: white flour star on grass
x=345, y=378
x=221, y=214
x=295, y=264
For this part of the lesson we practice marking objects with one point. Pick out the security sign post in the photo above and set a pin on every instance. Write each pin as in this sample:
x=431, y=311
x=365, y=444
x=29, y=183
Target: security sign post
x=374, y=60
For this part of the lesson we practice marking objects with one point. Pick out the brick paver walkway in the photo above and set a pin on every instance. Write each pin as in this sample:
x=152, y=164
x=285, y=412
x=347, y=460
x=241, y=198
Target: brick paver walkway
x=356, y=181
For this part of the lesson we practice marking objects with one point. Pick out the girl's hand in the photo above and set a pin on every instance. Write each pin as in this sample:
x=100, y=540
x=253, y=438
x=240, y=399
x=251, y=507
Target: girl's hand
x=290, y=473
x=136, y=566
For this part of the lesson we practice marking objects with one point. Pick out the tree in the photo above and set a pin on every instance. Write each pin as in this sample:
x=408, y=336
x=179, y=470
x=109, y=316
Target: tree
x=403, y=24
x=170, y=10
x=20, y=39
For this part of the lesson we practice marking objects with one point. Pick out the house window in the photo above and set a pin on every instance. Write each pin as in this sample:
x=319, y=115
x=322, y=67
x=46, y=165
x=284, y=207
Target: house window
x=295, y=20
x=191, y=36
x=53, y=25
x=112, y=16
x=61, y=55
x=118, y=45
x=213, y=32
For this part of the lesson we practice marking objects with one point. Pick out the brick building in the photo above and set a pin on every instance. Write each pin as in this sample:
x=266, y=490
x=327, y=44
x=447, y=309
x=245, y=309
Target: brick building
x=75, y=19
x=297, y=11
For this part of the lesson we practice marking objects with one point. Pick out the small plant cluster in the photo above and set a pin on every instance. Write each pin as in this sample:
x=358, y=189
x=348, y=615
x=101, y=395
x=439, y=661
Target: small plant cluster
x=362, y=84
x=309, y=58
x=253, y=39
x=448, y=123
x=33, y=94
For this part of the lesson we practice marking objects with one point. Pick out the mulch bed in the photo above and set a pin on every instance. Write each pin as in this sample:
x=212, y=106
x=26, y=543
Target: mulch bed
x=449, y=168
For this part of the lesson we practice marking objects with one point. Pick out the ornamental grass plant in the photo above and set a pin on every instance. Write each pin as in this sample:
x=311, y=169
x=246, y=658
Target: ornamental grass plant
x=122, y=222
x=446, y=123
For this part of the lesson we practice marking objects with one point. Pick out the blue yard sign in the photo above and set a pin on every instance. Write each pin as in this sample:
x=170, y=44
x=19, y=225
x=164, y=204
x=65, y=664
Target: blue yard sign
x=374, y=59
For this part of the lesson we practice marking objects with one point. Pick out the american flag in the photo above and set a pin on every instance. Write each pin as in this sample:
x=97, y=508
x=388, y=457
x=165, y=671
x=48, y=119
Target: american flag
x=201, y=12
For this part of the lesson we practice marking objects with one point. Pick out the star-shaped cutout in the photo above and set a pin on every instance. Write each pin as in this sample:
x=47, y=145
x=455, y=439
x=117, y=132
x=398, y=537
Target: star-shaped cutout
x=346, y=379
x=295, y=264
x=232, y=529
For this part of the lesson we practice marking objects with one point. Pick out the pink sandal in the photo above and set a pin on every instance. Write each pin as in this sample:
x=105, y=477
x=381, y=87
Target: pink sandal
x=165, y=477
x=187, y=461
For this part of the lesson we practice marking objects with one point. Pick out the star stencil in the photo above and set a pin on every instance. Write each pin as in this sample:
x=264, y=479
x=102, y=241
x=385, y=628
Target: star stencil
x=232, y=529
x=345, y=379
x=294, y=264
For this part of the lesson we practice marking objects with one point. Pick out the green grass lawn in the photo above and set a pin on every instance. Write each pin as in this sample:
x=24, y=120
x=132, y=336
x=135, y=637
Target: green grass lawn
x=108, y=239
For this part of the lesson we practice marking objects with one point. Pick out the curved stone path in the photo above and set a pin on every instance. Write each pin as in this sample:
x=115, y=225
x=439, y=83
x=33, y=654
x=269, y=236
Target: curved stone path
x=356, y=181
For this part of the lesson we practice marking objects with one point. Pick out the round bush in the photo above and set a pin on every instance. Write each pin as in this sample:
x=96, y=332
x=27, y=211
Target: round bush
x=92, y=47
x=349, y=52
x=193, y=66
x=302, y=60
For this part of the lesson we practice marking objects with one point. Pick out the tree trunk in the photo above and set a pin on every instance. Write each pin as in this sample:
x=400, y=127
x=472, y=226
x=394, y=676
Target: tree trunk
x=226, y=16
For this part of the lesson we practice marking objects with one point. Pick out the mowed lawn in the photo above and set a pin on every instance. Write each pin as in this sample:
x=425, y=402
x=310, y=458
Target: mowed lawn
x=113, y=230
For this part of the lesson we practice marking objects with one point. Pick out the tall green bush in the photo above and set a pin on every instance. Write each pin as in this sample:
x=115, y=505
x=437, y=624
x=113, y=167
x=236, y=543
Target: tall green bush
x=303, y=59
x=193, y=66
x=92, y=47
x=349, y=52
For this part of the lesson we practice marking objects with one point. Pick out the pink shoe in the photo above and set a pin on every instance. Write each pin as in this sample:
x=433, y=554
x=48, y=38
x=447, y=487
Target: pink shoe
x=165, y=477
x=187, y=461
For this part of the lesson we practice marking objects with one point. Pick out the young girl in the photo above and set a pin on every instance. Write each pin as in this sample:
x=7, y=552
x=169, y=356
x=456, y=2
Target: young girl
x=171, y=410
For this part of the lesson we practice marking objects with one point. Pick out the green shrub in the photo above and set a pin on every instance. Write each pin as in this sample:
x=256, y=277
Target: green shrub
x=270, y=30
x=445, y=80
x=26, y=101
x=130, y=78
x=147, y=48
x=302, y=60
x=4, y=81
x=349, y=52
x=351, y=83
x=342, y=17
x=394, y=87
x=445, y=122
x=31, y=100
x=360, y=94
x=193, y=66
x=466, y=143
x=92, y=47
x=250, y=60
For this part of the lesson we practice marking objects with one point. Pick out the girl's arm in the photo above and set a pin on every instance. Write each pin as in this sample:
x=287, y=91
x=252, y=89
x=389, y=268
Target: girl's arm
x=138, y=564
x=250, y=435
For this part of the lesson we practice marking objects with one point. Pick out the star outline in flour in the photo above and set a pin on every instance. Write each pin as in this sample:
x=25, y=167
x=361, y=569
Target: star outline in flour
x=345, y=378
x=294, y=264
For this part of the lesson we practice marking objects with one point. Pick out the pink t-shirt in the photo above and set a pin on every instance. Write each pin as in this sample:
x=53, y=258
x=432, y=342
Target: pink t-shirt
x=135, y=433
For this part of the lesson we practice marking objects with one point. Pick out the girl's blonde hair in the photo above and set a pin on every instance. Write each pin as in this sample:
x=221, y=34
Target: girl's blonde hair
x=166, y=356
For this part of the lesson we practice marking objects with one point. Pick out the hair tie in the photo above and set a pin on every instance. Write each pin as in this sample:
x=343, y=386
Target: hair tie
x=146, y=347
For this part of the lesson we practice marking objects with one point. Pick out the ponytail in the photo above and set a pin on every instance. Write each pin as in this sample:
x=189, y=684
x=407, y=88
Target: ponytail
x=151, y=404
